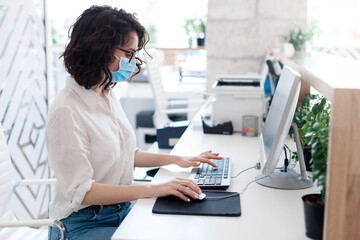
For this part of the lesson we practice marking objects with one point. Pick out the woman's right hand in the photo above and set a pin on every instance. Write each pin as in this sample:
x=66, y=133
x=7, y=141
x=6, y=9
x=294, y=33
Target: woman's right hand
x=177, y=187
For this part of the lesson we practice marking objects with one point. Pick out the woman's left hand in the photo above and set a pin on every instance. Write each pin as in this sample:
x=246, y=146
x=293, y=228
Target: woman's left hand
x=195, y=161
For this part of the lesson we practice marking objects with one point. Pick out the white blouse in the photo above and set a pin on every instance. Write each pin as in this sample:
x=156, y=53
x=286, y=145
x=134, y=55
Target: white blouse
x=86, y=142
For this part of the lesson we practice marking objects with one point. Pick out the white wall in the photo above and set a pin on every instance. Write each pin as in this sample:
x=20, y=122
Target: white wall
x=239, y=32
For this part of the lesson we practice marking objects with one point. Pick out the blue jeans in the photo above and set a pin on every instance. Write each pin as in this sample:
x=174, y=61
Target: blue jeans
x=92, y=223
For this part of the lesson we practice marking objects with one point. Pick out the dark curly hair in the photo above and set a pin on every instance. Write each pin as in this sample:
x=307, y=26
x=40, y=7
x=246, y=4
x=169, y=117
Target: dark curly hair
x=93, y=39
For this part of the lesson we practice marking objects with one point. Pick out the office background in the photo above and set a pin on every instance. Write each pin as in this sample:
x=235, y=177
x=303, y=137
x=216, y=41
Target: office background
x=238, y=33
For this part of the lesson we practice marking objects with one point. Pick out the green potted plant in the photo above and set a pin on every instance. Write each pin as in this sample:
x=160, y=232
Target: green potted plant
x=317, y=133
x=195, y=29
x=298, y=36
x=152, y=30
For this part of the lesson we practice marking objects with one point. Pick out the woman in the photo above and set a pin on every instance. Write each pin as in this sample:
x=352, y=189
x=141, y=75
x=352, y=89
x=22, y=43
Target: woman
x=91, y=145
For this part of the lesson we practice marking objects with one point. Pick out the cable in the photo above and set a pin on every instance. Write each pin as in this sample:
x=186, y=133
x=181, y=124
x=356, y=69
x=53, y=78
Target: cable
x=291, y=152
x=222, y=197
x=237, y=193
x=285, y=152
x=292, y=162
x=234, y=194
x=244, y=171
x=288, y=149
x=242, y=192
x=286, y=160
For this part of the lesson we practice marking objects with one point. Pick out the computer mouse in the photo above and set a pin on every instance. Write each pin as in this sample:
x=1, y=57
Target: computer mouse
x=199, y=196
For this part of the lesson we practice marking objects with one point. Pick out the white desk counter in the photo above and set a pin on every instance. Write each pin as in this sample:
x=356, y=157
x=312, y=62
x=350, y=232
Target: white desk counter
x=265, y=213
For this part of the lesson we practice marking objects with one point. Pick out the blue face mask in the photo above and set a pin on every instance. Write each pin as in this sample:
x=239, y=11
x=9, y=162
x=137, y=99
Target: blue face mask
x=126, y=69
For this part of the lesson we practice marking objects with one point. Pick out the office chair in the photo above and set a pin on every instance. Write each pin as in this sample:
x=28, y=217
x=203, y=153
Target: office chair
x=167, y=109
x=10, y=227
x=164, y=103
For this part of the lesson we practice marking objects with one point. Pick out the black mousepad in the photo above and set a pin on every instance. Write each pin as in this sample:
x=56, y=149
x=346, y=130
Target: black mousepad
x=229, y=207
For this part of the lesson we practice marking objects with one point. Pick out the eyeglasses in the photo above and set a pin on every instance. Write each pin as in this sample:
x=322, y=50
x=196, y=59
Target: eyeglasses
x=131, y=53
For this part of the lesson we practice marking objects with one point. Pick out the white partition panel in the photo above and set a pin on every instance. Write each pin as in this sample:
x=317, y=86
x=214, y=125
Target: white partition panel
x=24, y=100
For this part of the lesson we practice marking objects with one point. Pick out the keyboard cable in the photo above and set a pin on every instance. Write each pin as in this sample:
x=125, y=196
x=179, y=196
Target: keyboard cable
x=237, y=193
x=243, y=171
x=233, y=194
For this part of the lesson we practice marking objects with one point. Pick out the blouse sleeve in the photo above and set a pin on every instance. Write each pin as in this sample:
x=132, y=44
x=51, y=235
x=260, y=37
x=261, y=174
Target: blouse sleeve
x=68, y=152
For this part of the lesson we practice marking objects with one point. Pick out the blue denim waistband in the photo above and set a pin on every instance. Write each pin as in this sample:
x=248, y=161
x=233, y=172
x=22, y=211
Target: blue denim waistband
x=98, y=207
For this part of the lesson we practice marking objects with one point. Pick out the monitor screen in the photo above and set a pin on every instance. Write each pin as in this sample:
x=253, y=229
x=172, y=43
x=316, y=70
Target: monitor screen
x=279, y=119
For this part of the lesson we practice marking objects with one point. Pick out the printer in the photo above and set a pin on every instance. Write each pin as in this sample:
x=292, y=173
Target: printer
x=238, y=96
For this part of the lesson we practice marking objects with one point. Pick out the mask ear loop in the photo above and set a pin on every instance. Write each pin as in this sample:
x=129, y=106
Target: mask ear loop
x=119, y=61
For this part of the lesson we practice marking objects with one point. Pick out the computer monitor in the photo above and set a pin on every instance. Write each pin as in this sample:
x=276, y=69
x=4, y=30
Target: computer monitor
x=274, y=132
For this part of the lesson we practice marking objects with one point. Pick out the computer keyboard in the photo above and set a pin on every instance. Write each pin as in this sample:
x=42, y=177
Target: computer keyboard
x=209, y=177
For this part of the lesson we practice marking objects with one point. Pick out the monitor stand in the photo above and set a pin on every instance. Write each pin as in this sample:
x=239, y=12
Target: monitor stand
x=290, y=180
